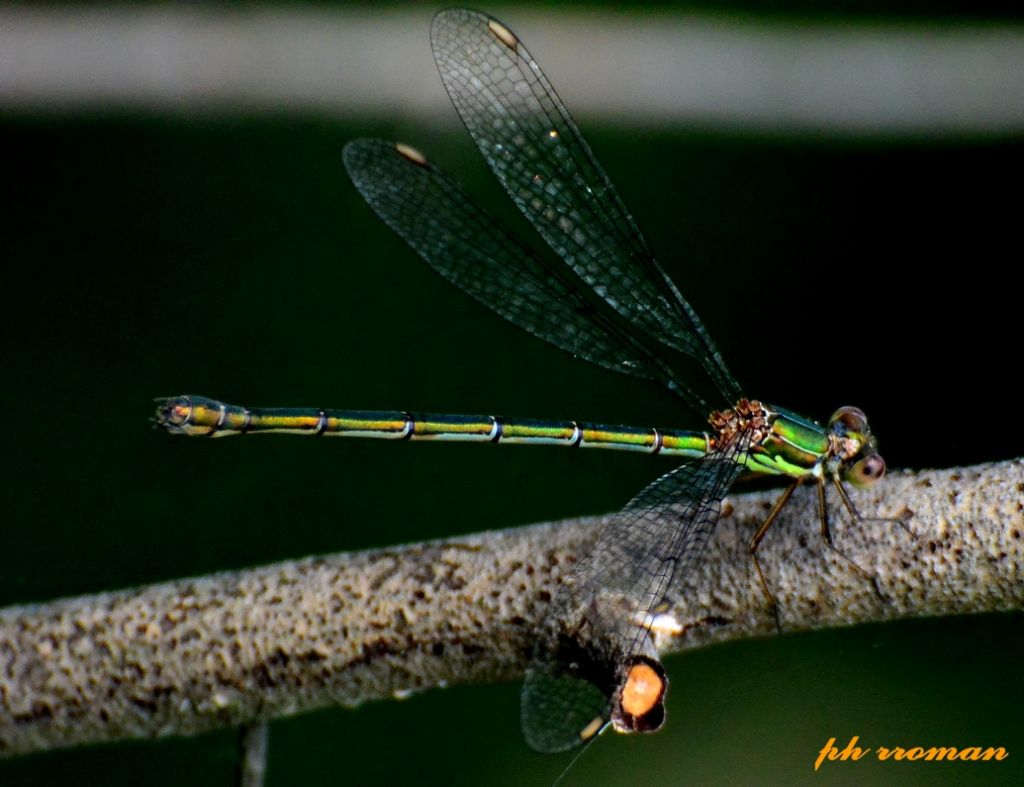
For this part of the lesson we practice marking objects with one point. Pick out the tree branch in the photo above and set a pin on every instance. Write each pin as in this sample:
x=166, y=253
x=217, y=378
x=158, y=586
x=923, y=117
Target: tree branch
x=236, y=648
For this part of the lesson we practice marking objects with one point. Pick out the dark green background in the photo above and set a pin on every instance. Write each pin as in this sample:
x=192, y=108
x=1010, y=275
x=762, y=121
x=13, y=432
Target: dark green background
x=147, y=256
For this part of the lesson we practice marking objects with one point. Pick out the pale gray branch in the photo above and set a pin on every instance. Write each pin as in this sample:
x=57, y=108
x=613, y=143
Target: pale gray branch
x=237, y=648
x=924, y=78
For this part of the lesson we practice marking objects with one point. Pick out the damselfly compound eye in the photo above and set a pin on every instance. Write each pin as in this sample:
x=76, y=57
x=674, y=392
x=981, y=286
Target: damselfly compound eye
x=867, y=471
x=852, y=418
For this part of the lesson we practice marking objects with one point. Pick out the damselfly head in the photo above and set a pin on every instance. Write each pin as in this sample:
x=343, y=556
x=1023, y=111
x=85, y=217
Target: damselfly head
x=855, y=447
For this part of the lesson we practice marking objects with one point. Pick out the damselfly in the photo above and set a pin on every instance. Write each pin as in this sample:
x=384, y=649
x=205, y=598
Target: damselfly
x=595, y=658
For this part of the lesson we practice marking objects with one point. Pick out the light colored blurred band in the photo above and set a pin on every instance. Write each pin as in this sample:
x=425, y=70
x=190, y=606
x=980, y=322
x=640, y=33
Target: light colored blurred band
x=650, y=69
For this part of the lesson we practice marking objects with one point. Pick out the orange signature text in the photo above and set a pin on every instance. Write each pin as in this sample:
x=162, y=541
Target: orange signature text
x=830, y=752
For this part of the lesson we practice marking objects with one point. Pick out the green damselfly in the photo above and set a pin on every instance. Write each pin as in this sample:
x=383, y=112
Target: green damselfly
x=595, y=661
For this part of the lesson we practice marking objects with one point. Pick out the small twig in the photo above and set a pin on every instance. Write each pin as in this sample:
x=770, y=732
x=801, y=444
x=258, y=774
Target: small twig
x=238, y=648
x=252, y=762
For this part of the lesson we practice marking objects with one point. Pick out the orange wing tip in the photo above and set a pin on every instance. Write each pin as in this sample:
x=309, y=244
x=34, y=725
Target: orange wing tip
x=593, y=728
x=410, y=153
x=503, y=34
x=639, y=704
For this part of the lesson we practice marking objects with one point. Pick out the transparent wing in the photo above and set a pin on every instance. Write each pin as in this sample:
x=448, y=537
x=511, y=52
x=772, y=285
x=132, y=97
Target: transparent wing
x=595, y=622
x=537, y=152
x=473, y=251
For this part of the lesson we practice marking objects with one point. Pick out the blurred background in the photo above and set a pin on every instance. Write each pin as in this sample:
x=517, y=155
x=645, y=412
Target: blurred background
x=835, y=190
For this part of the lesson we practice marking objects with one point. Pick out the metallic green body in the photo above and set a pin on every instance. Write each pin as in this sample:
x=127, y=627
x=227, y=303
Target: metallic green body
x=198, y=416
x=794, y=446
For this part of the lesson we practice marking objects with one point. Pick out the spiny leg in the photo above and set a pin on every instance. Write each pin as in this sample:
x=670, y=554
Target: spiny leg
x=826, y=534
x=856, y=514
x=756, y=540
x=868, y=576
